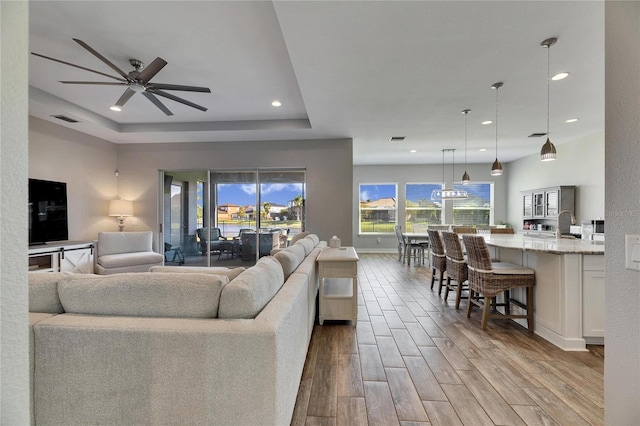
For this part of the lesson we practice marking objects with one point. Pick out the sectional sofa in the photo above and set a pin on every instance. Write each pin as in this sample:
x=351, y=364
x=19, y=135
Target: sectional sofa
x=176, y=345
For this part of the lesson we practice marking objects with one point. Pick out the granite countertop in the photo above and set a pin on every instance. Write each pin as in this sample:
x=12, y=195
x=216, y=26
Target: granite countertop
x=545, y=244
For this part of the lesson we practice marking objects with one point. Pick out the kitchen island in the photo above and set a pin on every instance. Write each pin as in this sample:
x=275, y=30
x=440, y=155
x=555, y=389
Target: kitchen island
x=569, y=291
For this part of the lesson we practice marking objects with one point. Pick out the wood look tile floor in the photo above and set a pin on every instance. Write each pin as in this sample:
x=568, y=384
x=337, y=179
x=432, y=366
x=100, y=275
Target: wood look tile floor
x=413, y=359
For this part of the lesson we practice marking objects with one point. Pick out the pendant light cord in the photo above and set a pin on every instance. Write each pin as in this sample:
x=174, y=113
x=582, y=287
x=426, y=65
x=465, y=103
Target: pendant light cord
x=444, y=183
x=497, y=88
x=548, y=84
x=465, y=139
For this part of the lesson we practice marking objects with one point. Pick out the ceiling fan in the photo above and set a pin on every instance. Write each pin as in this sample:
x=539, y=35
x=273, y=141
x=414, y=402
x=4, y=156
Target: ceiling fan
x=135, y=81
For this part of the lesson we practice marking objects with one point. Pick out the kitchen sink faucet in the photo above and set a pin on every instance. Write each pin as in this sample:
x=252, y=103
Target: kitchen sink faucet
x=573, y=220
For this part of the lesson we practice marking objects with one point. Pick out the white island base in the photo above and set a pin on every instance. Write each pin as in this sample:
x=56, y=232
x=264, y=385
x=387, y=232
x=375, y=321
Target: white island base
x=569, y=290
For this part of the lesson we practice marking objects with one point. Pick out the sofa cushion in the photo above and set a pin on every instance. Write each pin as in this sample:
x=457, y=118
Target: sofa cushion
x=230, y=273
x=290, y=258
x=249, y=293
x=43, y=292
x=298, y=237
x=314, y=238
x=143, y=294
x=124, y=242
x=123, y=260
x=307, y=244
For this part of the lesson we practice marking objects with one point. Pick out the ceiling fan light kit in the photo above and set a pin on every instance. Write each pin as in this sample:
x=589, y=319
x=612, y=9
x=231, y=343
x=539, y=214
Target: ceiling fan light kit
x=548, y=151
x=136, y=81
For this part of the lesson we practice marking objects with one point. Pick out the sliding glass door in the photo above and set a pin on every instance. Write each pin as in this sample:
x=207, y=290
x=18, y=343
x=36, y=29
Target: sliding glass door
x=230, y=217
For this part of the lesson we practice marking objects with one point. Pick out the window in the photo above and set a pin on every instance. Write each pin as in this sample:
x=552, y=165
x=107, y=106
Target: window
x=378, y=208
x=419, y=207
x=477, y=209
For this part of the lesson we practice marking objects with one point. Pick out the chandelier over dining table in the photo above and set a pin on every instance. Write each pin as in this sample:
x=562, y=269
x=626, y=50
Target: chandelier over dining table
x=444, y=193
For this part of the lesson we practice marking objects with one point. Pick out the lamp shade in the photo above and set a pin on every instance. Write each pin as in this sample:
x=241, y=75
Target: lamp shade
x=121, y=208
x=548, y=151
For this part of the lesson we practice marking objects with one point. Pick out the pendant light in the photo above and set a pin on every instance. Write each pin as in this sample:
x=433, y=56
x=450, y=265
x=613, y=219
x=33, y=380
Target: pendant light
x=465, y=177
x=448, y=194
x=548, y=151
x=496, y=168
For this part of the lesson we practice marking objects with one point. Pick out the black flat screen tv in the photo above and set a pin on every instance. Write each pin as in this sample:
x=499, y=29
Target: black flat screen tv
x=47, y=211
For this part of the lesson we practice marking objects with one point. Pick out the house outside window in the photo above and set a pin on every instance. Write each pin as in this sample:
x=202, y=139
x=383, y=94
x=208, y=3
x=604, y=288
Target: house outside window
x=378, y=208
x=477, y=209
x=419, y=207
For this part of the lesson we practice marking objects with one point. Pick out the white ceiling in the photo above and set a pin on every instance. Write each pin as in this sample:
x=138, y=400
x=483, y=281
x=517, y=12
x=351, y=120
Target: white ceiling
x=342, y=69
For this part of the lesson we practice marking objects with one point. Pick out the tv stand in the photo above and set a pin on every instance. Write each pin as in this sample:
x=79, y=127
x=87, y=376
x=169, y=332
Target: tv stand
x=62, y=256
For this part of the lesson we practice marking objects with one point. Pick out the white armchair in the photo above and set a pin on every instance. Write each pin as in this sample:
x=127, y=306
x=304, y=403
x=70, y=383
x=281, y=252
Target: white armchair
x=126, y=252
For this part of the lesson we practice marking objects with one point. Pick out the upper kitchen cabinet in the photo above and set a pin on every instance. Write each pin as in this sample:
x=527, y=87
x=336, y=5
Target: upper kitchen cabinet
x=542, y=206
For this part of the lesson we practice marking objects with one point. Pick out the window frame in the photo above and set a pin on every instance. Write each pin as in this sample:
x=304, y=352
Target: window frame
x=419, y=208
x=395, y=209
x=490, y=209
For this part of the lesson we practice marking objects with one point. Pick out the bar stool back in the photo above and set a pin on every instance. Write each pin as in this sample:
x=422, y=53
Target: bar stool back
x=438, y=258
x=456, y=266
x=488, y=279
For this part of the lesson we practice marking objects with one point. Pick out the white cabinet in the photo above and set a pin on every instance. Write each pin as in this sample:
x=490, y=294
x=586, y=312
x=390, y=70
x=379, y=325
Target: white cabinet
x=338, y=278
x=64, y=256
x=538, y=204
x=593, y=299
x=527, y=206
x=542, y=206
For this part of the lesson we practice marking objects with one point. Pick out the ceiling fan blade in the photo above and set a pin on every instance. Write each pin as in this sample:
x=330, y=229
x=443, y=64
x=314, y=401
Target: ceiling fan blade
x=102, y=58
x=78, y=66
x=102, y=83
x=150, y=70
x=163, y=86
x=125, y=97
x=177, y=99
x=157, y=103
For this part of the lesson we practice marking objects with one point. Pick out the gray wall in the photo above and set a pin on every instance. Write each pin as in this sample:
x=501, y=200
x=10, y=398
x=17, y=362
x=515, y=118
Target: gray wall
x=579, y=163
x=328, y=164
x=14, y=337
x=622, y=178
x=87, y=164
x=414, y=174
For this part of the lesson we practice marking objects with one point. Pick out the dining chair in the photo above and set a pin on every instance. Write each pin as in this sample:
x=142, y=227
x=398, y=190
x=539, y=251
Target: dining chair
x=408, y=248
x=457, y=273
x=438, y=258
x=489, y=279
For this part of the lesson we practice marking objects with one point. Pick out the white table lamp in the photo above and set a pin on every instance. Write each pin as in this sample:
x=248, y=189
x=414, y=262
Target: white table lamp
x=121, y=209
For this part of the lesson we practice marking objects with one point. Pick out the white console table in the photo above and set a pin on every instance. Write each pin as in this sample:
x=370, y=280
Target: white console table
x=338, y=277
x=62, y=256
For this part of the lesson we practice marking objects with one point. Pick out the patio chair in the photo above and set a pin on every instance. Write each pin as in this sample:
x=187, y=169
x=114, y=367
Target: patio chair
x=175, y=252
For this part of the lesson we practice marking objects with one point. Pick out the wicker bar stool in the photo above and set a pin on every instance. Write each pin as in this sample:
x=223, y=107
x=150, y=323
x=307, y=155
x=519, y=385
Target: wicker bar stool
x=456, y=266
x=464, y=230
x=502, y=231
x=438, y=258
x=487, y=280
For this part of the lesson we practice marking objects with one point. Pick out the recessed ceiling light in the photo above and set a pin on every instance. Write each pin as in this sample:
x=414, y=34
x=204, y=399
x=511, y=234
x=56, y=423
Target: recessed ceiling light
x=560, y=76
x=483, y=149
x=487, y=122
x=276, y=103
x=414, y=150
x=115, y=108
x=571, y=120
